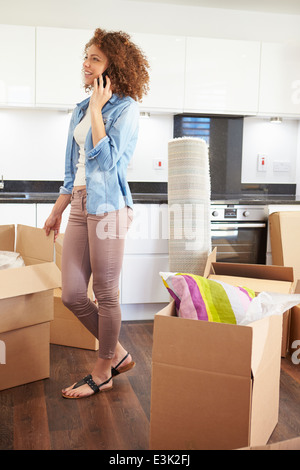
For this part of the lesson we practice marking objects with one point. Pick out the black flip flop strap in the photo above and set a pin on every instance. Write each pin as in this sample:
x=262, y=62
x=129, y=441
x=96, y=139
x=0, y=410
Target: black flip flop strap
x=90, y=382
x=121, y=361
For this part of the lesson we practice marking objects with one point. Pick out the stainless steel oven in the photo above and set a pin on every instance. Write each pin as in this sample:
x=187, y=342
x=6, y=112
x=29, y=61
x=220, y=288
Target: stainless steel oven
x=239, y=232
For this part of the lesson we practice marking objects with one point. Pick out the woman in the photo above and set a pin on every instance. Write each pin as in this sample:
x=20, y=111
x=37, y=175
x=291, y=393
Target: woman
x=102, y=137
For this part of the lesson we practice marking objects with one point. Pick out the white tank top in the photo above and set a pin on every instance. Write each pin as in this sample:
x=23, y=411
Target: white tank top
x=80, y=133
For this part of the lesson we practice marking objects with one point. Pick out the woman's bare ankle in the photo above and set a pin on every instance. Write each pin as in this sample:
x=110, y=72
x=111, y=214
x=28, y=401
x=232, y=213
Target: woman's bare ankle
x=102, y=370
x=120, y=353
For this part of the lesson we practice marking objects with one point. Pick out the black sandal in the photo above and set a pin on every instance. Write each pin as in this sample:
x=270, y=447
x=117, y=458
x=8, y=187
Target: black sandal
x=119, y=370
x=90, y=382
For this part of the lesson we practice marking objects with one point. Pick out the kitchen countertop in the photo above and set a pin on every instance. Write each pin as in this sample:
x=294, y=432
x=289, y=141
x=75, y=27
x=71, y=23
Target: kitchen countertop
x=31, y=198
x=156, y=198
x=258, y=199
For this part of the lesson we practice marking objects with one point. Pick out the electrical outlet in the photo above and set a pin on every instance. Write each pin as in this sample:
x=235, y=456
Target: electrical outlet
x=159, y=164
x=261, y=162
x=281, y=166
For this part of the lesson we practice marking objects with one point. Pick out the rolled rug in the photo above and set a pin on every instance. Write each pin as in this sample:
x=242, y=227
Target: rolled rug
x=189, y=205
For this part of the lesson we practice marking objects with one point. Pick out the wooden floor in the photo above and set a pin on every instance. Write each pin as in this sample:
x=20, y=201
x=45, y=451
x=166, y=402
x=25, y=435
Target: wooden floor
x=34, y=416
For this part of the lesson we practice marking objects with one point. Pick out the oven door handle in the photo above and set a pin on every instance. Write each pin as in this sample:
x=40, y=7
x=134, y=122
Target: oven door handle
x=234, y=226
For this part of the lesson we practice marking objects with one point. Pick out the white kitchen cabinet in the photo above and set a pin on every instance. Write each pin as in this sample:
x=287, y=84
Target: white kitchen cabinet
x=146, y=254
x=166, y=56
x=59, y=59
x=222, y=76
x=24, y=214
x=141, y=283
x=279, y=92
x=43, y=211
x=17, y=65
x=149, y=230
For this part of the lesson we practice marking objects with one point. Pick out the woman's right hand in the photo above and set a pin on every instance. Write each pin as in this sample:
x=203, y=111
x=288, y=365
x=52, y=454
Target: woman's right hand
x=100, y=94
x=53, y=223
x=54, y=220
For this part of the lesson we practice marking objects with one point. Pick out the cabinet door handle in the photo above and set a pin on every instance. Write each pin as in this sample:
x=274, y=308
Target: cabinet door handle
x=236, y=226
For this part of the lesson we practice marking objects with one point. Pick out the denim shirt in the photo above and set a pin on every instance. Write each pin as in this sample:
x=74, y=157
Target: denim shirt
x=106, y=163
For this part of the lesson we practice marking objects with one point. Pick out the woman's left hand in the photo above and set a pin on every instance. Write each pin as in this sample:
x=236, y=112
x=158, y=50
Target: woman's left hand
x=100, y=94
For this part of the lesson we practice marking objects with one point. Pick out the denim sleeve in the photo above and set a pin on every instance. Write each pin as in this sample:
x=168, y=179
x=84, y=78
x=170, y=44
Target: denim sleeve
x=69, y=177
x=64, y=189
x=109, y=150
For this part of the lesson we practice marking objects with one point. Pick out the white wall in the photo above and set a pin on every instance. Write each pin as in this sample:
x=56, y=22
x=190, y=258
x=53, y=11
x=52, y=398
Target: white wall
x=278, y=142
x=33, y=145
x=154, y=134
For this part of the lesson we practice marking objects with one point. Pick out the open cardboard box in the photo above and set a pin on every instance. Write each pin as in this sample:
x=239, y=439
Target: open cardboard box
x=26, y=305
x=284, y=237
x=259, y=278
x=216, y=385
x=66, y=329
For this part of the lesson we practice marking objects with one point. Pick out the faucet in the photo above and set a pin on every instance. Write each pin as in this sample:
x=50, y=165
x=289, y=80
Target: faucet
x=2, y=183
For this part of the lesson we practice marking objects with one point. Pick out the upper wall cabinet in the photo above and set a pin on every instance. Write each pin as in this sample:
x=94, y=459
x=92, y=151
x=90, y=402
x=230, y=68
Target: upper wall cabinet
x=42, y=66
x=59, y=59
x=280, y=79
x=222, y=76
x=17, y=65
x=166, y=56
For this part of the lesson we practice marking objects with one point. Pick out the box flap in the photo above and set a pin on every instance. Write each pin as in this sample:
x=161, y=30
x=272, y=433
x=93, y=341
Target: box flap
x=259, y=271
x=267, y=334
x=7, y=237
x=201, y=345
x=59, y=243
x=258, y=285
x=210, y=259
x=266, y=362
x=34, y=245
x=297, y=287
x=58, y=249
x=26, y=310
x=284, y=237
x=275, y=239
x=29, y=279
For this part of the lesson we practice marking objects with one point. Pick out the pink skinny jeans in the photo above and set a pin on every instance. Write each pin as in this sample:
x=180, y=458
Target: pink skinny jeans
x=94, y=244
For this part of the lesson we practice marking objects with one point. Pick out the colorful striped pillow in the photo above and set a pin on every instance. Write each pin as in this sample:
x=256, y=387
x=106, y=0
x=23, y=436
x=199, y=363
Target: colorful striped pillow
x=199, y=298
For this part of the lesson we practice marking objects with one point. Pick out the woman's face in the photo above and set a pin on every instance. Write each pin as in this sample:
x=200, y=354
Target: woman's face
x=95, y=63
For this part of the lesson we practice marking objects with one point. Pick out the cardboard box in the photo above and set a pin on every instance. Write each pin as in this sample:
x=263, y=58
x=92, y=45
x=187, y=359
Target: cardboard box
x=260, y=278
x=66, y=329
x=216, y=385
x=58, y=258
x=284, y=237
x=289, y=444
x=26, y=306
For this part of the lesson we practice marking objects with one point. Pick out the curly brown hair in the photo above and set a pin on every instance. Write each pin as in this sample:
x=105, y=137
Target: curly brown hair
x=128, y=66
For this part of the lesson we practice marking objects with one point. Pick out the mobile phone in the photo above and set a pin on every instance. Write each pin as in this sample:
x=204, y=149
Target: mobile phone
x=104, y=79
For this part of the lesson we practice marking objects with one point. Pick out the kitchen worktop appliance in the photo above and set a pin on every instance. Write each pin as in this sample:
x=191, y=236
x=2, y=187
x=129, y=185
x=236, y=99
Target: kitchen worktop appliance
x=239, y=232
